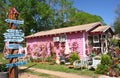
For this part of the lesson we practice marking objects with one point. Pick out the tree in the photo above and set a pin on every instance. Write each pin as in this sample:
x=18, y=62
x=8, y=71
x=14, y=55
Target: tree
x=3, y=24
x=84, y=18
x=117, y=21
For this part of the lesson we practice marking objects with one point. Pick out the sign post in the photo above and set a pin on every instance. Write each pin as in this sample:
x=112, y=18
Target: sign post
x=14, y=37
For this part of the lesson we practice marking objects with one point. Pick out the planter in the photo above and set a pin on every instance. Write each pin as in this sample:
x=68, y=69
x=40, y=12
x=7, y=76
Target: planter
x=3, y=74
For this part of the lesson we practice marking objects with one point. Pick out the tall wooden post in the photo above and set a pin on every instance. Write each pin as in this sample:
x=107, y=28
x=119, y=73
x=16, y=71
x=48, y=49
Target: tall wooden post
x=13, y=71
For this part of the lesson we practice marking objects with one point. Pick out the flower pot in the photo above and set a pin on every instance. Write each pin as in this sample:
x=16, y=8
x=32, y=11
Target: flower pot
x=3, y=74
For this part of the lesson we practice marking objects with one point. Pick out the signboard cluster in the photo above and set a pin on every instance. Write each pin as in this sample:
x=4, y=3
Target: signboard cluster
x=14, y=37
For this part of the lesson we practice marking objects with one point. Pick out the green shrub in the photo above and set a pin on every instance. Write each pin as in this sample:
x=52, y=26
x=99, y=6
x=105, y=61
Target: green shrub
x=102, y=69
x=106, y=60
x=74, y=56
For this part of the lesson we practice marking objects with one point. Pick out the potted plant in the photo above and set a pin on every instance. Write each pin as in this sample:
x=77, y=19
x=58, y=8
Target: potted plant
x=3, y=71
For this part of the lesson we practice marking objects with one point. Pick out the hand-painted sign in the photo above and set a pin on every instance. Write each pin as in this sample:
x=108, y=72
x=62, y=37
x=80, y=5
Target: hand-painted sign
x=14, y=46
x=13, y=30
x=14, y=40
x=16, y=64
x=15, y=55
x=14, y=21
x=14, y=34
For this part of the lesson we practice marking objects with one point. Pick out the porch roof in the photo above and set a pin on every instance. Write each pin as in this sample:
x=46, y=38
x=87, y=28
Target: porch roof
x=85, y=27
x=101, y=29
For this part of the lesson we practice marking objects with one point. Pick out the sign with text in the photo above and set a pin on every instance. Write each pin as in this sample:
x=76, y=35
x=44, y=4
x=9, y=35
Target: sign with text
x=14, y=40
x=14, y=21
x=13, y=30
x=14, y=34
x=14, y=46
x=16, y=64
x=15, y=55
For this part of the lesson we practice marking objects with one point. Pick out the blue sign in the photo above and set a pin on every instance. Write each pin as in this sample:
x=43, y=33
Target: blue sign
x=14, y=34
x=14, y=46
x=16, y=64
x=12, y=37
x=14, y=21
x=15, y=55
x=14, y=40
x=14, y=31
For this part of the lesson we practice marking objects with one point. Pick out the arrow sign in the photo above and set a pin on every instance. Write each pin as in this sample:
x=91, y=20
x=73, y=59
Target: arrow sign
x=15, y=55
x=14, y=31
x=16, y=64
x=14, y=40
x=14, y=21
x=14, y=34
x=14, y=46
x=12, y=37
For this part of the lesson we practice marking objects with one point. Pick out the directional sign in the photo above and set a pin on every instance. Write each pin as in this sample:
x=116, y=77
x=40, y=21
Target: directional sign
x=14, y=30
x=12, y=37
x=16, y=64
x=15, y=55
x=14, y=40
x=14, y=21
x=14, y=46
x=14, y=34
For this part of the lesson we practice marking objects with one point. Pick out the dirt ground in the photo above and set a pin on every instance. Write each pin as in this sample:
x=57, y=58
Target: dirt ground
x=26, y=75
x=56, y=73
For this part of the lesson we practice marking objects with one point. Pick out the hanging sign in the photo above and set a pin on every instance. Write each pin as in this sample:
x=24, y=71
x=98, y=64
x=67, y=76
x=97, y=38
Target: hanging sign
x=16, y=64
x=14, y=46
x=14, y=21
x=15, y=55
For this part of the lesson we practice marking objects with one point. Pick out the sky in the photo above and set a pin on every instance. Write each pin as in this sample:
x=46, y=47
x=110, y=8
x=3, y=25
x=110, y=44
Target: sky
x=103, y=8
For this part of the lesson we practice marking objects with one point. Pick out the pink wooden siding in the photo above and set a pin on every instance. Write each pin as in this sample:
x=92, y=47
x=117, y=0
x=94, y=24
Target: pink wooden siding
x=75, y=42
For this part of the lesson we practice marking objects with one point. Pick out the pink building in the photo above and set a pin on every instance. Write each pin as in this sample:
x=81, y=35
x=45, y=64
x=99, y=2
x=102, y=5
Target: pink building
x=84, y=39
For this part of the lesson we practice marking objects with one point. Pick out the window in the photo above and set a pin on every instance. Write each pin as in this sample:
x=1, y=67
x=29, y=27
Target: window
x=55, y=39
x=63, y=38
x=96, y=39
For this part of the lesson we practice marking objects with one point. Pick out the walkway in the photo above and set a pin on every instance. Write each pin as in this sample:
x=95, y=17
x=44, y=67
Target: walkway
x=61, y=74
x=56, y=73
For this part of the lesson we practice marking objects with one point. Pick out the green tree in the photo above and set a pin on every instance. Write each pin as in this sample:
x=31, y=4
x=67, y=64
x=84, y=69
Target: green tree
x=84, y=18
x=117, y=21
x=3, y=24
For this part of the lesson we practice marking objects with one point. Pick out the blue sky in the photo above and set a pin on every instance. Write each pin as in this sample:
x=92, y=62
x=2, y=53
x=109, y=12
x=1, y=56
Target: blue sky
x=103, y=8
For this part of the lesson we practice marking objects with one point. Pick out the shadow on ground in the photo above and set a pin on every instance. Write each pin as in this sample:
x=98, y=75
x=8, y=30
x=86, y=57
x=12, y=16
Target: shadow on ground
x=21, y=71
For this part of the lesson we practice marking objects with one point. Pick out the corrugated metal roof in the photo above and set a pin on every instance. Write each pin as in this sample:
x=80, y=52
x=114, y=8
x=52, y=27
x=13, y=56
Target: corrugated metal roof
x=84, y=27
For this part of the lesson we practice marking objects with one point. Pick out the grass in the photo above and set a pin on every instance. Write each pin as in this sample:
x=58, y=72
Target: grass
x=3, y=60
x=62, y=68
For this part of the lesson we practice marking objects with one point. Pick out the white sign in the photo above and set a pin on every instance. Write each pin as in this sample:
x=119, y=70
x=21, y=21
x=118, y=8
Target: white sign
x=14, y=31
x=14, y=34
x=14, y=40
x=14, y=21
x=14, y=46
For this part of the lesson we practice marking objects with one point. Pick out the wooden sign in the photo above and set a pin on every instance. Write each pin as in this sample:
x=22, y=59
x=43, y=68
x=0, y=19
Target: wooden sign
x=14, y=46
x=13, y=30
x=16, y=64
x=14, y=34
x=14, y=40
x=15, y=55
x=14, y=21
